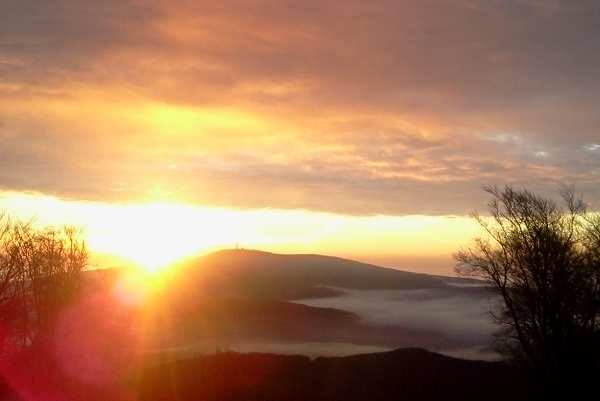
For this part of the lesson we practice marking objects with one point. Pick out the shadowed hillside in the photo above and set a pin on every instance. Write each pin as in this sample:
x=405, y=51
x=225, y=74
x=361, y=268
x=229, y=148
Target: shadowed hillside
x=404, y=374
x=407, y=374
x=262, y=274
x=315, y=305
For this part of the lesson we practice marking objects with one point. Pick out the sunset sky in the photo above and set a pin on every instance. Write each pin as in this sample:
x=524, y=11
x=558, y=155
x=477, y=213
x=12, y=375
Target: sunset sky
x=354, y=128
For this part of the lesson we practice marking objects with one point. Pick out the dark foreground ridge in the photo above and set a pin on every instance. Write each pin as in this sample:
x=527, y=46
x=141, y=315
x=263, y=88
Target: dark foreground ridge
x=403, y=374
x=409, y=374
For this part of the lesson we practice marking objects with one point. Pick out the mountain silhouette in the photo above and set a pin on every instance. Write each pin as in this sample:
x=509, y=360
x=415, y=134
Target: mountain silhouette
x=250, y=300
x=262, y=274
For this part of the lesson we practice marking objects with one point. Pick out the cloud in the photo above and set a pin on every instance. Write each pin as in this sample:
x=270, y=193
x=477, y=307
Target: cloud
x=381, y=107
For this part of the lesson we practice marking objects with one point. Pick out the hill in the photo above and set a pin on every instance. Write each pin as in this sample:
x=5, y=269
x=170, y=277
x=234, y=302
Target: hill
x=410, y=374
x=403, y=374
x=263, y=274
x=311, y=304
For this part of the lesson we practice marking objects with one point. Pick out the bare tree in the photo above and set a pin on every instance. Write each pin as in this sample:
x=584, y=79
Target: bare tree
x=544, y=261
x=39, y=274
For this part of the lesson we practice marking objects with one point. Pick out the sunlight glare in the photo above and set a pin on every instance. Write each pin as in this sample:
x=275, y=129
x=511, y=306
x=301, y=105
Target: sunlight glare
x=152, y=236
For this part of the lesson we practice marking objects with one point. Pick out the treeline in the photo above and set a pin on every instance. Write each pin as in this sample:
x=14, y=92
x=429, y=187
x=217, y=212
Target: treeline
x=40, y=273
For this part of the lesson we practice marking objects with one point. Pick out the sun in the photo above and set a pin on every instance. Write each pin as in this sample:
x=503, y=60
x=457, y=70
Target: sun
x=154, y=236
x=155, y=261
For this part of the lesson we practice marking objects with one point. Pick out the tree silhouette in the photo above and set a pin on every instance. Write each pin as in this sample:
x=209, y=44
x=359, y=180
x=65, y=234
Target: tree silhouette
x=39, y=274
x=544, y=261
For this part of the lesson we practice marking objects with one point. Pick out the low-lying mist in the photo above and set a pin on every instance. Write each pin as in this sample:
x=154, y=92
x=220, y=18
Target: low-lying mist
x=462, y=315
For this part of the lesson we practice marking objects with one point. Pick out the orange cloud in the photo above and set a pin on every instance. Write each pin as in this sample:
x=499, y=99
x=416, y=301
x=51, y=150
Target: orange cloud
x=391, y=107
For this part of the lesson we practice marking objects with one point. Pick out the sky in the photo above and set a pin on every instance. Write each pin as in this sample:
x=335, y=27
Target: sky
x=360, y=129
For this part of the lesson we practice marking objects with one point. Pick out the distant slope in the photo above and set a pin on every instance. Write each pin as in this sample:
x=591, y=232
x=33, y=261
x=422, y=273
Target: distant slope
x=251, y=300
x=255, y=273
